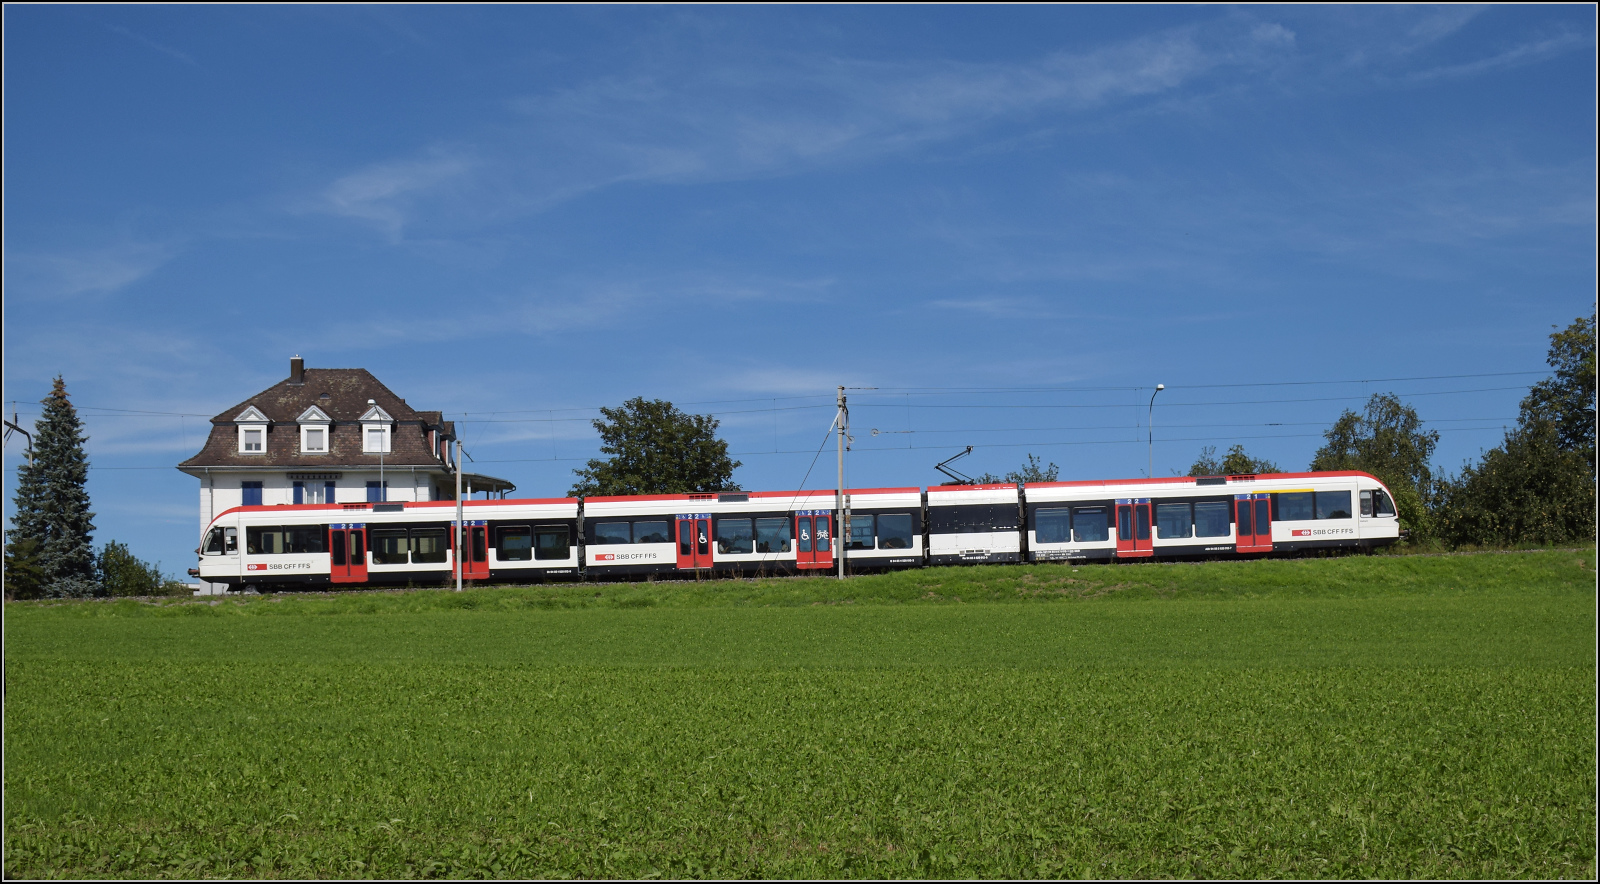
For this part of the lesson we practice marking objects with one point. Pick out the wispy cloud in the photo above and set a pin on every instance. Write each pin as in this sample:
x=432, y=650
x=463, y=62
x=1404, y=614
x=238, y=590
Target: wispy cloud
x=703, y=120
x=384, y=193
x=1525, y=53
x=159, y=47
x=66, y=274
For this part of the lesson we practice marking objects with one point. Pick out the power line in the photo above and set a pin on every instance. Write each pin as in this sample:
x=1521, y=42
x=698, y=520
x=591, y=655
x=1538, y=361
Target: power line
x=1197, y=404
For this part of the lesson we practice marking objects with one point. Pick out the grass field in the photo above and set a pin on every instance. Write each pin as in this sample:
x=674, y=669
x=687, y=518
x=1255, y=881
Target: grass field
x=1355, y=717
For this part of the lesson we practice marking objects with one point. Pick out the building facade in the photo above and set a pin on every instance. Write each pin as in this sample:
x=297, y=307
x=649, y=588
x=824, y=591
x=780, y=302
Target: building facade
x=328, y=435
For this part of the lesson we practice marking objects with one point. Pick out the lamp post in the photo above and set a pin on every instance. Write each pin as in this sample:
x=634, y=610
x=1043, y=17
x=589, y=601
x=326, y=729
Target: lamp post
x=1150, y=439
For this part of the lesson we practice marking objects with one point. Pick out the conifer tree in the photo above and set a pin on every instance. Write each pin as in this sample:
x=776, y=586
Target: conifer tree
x=52, y=505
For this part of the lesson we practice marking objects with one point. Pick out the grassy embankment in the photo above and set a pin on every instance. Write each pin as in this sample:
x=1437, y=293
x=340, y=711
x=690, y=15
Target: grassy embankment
x=1367, y=717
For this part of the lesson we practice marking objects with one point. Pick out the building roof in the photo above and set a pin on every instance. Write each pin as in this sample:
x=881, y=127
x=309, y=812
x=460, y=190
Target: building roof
x=341, y=394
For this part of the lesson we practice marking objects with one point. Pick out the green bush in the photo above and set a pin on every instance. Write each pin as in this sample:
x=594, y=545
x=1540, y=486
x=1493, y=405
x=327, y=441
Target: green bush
x=124, y=574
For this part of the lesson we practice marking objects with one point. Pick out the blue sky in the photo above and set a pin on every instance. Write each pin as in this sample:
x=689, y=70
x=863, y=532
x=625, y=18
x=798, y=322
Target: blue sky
x=1013, y=222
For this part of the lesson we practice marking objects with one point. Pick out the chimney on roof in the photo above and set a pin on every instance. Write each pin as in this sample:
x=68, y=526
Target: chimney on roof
x=297, y=371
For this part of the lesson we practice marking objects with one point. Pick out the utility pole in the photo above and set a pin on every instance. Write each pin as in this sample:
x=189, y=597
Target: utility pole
x=461, y=532
x=842, y=516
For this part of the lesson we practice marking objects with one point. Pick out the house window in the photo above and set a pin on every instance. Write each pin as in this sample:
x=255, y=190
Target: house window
x=310, y=493
x=252, y=440
x=251, y=493
x=375, y=440
x=314, y=440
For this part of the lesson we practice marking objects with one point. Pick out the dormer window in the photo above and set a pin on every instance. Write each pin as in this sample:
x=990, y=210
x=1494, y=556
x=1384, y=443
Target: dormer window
x=314, y=425
x=376, y=426
x=252, y=431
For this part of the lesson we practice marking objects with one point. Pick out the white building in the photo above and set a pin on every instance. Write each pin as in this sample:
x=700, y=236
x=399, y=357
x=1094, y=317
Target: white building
x=327, y=435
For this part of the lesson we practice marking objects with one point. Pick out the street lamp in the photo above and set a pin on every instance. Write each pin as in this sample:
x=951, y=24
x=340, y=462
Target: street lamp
x=1150, y=439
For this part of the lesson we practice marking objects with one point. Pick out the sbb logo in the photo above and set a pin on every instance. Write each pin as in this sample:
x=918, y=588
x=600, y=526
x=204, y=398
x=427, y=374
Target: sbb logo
x=255, y=567
x=605, y=557
x=1302, y=532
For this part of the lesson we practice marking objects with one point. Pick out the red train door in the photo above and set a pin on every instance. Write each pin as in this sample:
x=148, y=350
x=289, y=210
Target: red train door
x=476, y=564
x=347, y=553
x=813, y=534
x=1133, y=528
x=694, y=541
x=1253, y=522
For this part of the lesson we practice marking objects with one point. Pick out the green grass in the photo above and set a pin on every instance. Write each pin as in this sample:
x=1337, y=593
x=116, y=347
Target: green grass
x=1359, y=717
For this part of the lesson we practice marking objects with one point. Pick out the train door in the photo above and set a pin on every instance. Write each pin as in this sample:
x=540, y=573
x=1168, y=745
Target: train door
x=813, y=533
x=475, y=563
x=1253, y=522
x=1133, y=528
x=347, y=553
x=694, y=541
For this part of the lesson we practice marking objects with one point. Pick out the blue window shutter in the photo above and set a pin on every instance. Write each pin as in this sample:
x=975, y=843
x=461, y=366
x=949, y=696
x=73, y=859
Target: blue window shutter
x=374, y=493
x=299, y=492
x=328, y=498
x=252, y=493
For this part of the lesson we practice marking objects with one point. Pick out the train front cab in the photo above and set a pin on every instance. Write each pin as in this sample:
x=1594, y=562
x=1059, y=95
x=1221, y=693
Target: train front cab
x=386, y=544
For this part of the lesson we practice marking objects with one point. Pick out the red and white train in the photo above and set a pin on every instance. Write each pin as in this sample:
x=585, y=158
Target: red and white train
x=773, y=532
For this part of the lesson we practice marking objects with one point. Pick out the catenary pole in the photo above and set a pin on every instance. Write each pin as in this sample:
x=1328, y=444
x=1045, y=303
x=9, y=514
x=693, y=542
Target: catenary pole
x=840, y=516
x=461, y=533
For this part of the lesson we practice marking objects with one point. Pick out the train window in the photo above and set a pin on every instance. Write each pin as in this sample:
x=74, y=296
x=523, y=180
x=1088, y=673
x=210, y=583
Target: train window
x=651, y=532
x=1366, y=503
x=1245, y=526
x=824, y=533
x=1211, y=518
x=213, y=544
x=1052, y=525
x=514, y=544
x=552, y=542
x=805, y=534
x=230, y=540
x=1124, y=523
x=389, y=546
x=1141, y=522
x=428, y=545
x=1174, y=520
x=1089, y=523
x=735, y=536
x=772, y=535
x=264, y=541
x=1333, y=504
x=1294, y=506
x=1385, y=506
x=894, y=531
x=611, y=532
x=358, y=556
x=1264, y=519
x=307, y=539
x=685, y=537
x=861, y=534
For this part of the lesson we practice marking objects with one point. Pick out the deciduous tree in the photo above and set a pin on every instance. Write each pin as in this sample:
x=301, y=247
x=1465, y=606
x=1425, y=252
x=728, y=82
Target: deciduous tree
x=1538, y=486
x=1387, y=440
x=655, y=448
